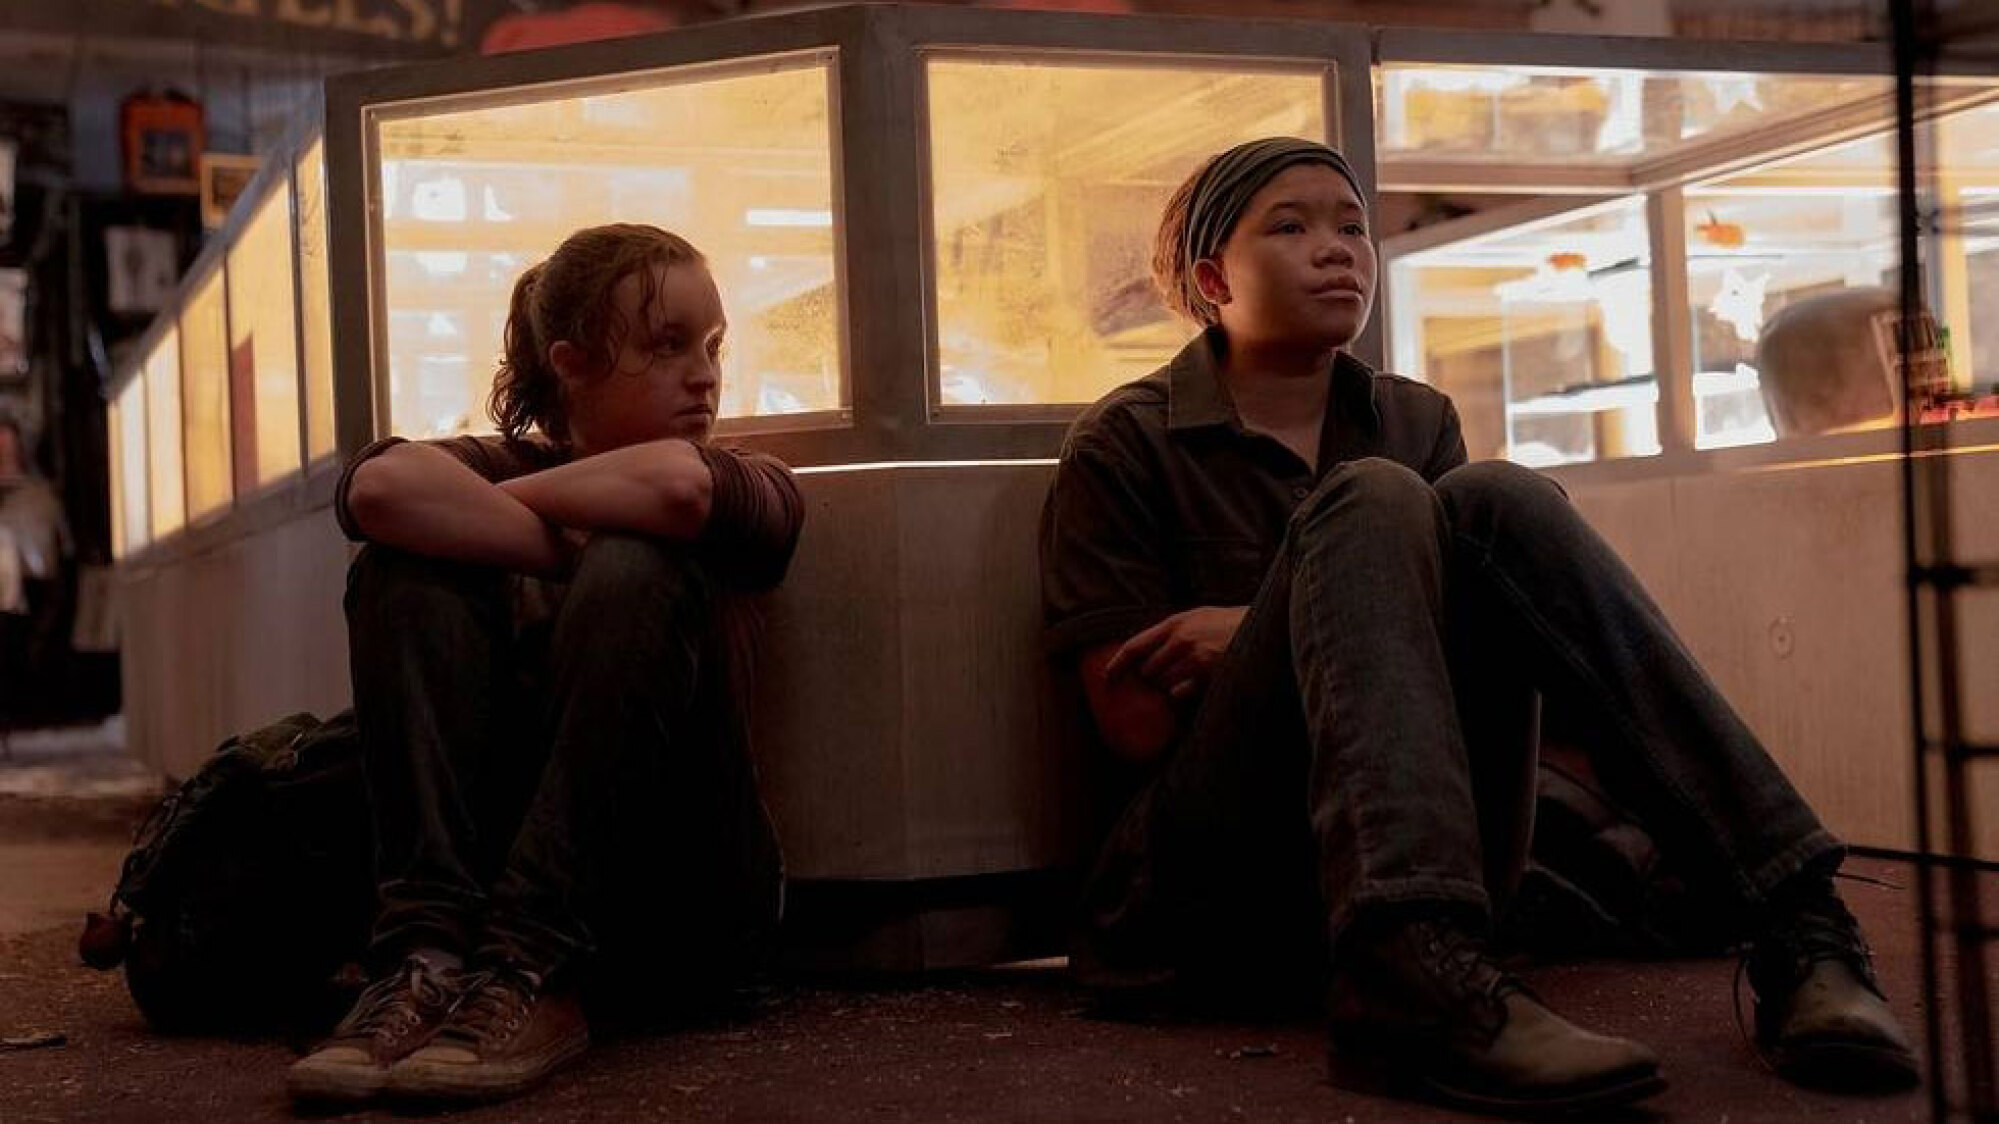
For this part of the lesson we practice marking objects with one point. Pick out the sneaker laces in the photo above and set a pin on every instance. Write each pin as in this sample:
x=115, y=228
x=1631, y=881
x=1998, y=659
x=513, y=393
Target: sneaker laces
x=394, y=1003
x=496, y=1005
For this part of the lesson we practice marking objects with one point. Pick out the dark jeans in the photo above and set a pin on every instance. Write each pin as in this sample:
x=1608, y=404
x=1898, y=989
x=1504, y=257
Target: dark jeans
x=565, y=781
x=1369, y=738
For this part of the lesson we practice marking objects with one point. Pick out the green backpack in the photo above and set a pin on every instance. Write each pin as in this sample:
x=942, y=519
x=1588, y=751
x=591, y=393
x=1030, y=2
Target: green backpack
x=249, y=889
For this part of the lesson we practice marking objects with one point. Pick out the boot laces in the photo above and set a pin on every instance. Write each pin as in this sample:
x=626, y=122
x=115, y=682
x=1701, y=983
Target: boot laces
x=1818, y=929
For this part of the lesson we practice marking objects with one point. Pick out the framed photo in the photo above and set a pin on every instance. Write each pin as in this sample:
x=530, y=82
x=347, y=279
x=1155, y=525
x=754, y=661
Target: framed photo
x=140, y=269
x=13, y=325
x=8, y=153
x=163, y=137
x=223, y=178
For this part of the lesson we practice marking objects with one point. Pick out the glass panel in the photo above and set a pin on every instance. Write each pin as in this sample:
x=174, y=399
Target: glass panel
x=1968, y=152
x=204, y=352
x=167, y=499
x=115, y=438
x=1541, y=334
x=315, y=303
x=1521, y=114
x=739, y=165
x=1799, y=232
x=1046, y=185
x=131, y=527
x=263, y=346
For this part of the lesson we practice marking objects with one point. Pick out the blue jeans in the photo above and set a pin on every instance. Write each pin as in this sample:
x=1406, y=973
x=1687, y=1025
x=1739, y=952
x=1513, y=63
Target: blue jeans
x=560, y=773
x=1370, y=737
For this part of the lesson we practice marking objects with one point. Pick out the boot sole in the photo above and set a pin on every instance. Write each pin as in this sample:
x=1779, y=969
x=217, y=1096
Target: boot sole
x=1847, y=1067
x=415, y=1079
x=1365, y=1071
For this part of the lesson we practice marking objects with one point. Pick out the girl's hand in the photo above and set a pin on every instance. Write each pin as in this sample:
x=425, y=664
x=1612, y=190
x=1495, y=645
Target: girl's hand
x=1179, y=654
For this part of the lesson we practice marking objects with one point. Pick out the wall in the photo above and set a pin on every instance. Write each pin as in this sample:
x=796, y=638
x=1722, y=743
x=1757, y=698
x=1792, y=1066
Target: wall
x=1787, y=584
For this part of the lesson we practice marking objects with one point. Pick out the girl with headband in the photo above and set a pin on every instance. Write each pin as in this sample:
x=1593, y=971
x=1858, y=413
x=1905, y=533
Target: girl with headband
x=1319, y=640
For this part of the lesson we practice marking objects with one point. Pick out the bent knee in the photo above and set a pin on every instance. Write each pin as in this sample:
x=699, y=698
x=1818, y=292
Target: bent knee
x=384, y=577
x=1497, y=482
x=1372, y=484
x=636, y=563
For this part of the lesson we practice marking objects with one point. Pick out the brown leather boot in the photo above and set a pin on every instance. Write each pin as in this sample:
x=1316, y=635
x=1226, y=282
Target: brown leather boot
x=507, y=1034
x=1821, y=1018
x=1419, y=1010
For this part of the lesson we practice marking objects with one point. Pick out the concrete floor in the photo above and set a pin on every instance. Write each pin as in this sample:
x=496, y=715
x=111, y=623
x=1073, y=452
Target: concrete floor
x=1001, y=1045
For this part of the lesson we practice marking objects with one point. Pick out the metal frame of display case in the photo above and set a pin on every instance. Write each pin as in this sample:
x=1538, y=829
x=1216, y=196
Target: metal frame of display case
x=881, y=174
x=1569, y=188
x=1957, y=1008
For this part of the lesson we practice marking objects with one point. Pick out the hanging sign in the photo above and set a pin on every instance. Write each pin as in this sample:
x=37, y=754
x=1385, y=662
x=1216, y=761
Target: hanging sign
x=437, y=23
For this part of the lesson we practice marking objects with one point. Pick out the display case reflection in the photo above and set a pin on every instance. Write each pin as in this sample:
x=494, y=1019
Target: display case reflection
x=263, y=346
x=1541, y=328
x=314, y=300
x=166, y=497
x=204, y=401
x=1521, y=114
x=738, y=162
x=131, y=524
x=1046, y=183
x=1541, y=334
x=1768, y=238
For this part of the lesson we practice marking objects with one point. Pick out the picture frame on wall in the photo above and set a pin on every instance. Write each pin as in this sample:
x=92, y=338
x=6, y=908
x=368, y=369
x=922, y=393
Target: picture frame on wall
x=224, y=177
x=13, y=326
x=163, y=136
x=141, y=267
x=8, y=154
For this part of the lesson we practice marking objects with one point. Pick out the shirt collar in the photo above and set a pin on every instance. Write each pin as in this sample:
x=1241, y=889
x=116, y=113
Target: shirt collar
x=1196, y=397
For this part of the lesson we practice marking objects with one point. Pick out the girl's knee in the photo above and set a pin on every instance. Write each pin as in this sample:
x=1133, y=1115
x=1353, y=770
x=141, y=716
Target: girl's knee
x=387, y=579
x=1497, y=483
x=626, y=565
x=1383, y=488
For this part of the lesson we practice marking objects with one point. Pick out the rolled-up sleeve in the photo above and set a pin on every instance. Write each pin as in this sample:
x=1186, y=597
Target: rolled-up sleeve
x=340, y=511
x=1103, y=575
x=755, y=514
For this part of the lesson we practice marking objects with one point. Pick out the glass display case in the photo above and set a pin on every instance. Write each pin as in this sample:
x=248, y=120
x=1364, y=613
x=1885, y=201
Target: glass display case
x=203, y=405
x=166, y=492
x=131, y=523
x=263, y=345
x=738, y=159
x=1046, y=182
x=315, y=300
x=931, y=231
x=1667, y=217
x=1541, y=333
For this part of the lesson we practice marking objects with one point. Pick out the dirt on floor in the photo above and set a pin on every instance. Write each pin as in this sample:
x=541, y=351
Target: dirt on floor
x=998, y=1045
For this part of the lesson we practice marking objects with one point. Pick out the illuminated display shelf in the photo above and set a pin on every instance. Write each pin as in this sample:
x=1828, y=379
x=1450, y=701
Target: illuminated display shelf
x=1664, y=217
